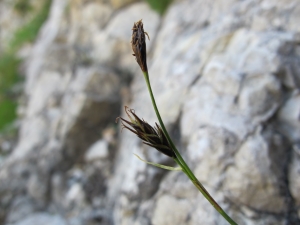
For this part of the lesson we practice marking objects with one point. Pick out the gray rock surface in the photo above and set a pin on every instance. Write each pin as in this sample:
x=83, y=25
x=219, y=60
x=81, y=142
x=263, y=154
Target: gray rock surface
x=226, y=78
x=41, y=218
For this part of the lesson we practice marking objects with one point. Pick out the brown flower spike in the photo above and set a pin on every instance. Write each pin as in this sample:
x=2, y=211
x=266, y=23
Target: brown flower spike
x=138, y=44
x=153, y=137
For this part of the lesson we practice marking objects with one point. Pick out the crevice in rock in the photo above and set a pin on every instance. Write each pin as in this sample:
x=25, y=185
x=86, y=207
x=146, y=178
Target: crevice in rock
x=175, y=132
x=256, y=213
x=291, y=215
x=280, y=162
x=196, y=79
x=290, y=69
x=95, y=186
x=241, y=82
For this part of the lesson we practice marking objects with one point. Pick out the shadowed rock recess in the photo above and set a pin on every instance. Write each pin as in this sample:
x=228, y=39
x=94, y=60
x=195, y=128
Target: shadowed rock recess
x=226, y=77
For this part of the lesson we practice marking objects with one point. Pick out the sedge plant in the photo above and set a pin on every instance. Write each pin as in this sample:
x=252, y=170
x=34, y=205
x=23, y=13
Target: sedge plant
x=158, y=136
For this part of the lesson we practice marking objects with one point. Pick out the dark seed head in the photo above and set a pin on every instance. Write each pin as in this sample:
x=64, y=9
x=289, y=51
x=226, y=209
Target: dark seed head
x=138, y=44
x=152, y=136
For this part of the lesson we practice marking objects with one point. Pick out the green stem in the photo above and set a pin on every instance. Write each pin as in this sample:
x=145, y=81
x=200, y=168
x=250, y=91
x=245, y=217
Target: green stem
x=180, y=161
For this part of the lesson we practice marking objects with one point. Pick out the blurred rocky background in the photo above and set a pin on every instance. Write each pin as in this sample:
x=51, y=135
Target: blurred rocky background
x=226, y=76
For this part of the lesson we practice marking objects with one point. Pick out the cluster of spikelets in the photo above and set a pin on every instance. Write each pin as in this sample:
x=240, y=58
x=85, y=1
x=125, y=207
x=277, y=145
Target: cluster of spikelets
x=152, y=136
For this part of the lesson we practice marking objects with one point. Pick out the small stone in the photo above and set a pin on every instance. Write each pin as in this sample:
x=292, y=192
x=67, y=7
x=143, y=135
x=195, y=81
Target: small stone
x=98, y=150
x=169, y=209
x=75, y=196
x=42, y=218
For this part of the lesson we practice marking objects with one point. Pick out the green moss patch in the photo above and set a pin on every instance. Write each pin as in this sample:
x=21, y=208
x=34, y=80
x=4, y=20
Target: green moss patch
x=9, y=62
x=159, y=5
x=23, y=6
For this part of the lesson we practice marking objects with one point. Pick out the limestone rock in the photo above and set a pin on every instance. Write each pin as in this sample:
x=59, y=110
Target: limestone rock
x=42, y=218
x=233, y=83
x=253, y=173
x=98, y=150
x=169, y=209
x=289, y=118
x=226, y=84
x=117, y=36
x=211, y=151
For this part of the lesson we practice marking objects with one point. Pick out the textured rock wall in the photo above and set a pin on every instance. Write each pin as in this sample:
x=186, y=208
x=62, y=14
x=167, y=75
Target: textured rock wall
x=226, y=77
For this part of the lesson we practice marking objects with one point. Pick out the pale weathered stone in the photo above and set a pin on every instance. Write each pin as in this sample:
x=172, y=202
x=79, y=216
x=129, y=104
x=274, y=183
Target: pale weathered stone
x=46, y=38
x=98, y=150
x=228, y=79
x=46, y=87
x=41, y=218
x=21, y=207
x=177, y=191
x=30, y=136
x=250, y=180
x=211, y=150
x=117, y=35
x=75, y=196
x=289, y=118
x=169, y=209
x=226, y=84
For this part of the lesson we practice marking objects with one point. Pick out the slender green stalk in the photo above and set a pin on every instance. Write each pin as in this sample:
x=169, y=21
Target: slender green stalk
x=180, y=161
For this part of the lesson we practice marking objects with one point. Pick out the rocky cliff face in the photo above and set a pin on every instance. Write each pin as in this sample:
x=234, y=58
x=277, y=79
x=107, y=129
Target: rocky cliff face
x=226, y=77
